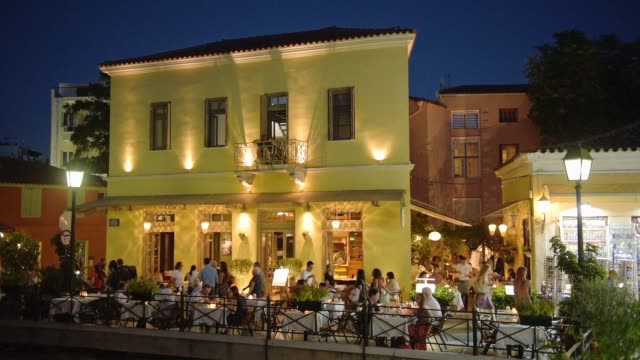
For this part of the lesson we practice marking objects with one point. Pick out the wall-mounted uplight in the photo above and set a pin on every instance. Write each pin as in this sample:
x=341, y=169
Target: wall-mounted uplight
x=146, y=226
x=379, y=155
x=188, y=164
x=246, y=179
x=204, y=226
x=335, y=224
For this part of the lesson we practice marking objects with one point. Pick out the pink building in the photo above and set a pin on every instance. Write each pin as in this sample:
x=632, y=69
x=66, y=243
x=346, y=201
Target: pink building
x=459, y=140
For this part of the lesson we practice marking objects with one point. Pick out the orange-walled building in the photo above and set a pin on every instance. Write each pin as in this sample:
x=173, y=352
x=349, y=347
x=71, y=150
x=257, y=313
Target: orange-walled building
x=458, y=140
x=35, y=195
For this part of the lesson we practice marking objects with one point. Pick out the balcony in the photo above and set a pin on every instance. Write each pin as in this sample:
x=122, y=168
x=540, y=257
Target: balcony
x=271, y=154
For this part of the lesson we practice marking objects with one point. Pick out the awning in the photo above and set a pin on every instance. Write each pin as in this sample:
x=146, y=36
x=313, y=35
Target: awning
x=435, y=212
x=248, y=198
x=503, y=210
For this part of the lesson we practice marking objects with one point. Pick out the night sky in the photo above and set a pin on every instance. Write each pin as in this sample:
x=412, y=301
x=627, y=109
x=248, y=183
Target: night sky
x=48, y=42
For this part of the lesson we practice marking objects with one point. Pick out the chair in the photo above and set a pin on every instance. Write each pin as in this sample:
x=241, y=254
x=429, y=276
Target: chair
x=103, y=310
x=338, y=326
x=418, y=336
x=437, y=331
x=488, y=328
x=245, y=324
x=167, y=316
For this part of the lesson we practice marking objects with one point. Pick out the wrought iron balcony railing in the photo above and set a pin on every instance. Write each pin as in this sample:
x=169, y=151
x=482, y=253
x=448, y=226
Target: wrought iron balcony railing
x=271, y=153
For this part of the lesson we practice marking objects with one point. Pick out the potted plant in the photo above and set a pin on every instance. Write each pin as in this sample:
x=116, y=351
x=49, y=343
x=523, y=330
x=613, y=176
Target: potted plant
x=500, y=298
x=444, y=295
x=241, y=267
x=142, y=289
x=537, y=313
x=309, y=297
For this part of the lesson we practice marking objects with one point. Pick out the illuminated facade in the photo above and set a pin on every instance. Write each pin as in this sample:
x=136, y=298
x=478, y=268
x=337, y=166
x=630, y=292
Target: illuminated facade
x=292, y=145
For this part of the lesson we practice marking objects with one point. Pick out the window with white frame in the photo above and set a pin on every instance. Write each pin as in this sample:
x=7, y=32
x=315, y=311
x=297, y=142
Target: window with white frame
x=160, y=126
x=468, y=209
x=67, y=156
x=216, y=123
x=341, y=124
x=466, y=157
x=465, y=119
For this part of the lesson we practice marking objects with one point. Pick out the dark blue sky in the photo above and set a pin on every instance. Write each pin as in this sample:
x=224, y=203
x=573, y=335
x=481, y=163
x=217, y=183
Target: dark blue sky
x=47, y=42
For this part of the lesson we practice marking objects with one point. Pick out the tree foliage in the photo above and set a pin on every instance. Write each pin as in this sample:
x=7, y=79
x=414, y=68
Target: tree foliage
x=91, y=136
x=19, y=257
x=580, y=87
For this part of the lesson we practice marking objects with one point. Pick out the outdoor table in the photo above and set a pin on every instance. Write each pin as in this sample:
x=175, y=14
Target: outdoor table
x=259, y=304
x=204, y=315
x=334, y=308
x=70, y=305
x=307, y=322
x=136, y=310
x=515, y=334
x=505, y=316
x=389, y=326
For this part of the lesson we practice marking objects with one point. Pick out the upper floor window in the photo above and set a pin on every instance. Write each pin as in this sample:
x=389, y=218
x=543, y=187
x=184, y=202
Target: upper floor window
x=508, y=152
x=31, y=203
x=216, y=123
x=466, y=157
x=160, y=126
x=341, y=124
x=465, y=119
x=508, y=115
x=67, y=156
x=67, y=122
x=275, y=120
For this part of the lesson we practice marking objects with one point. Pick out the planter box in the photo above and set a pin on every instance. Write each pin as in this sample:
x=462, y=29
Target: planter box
x=535, y=320
x=309, y=305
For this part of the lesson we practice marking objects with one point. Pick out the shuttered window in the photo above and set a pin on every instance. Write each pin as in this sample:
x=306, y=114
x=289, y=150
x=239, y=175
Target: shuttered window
x=465, y=119
x=508, y=115
x=341, y=124
x=31, y=206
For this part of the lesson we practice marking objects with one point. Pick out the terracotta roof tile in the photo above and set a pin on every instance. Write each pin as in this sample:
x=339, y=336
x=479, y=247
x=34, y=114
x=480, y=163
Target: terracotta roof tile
x=486, y=89
x=15, y=171
x=228, y=46
x=623, y=138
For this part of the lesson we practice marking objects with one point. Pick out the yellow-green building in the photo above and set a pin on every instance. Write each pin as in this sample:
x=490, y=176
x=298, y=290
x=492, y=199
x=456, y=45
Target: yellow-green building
x=263, y=148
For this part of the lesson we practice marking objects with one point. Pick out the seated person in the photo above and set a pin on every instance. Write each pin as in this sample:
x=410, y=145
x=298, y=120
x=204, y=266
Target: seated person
x=429, y=310
x=238, y=307
x=372, y=300
x=325, y=299
x=200, y=294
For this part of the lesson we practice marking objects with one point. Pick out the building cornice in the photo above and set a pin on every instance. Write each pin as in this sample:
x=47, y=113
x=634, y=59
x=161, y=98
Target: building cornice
x=186, y=175
x=290, y=52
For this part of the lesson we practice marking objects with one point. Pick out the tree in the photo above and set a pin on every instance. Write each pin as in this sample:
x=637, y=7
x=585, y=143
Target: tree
x=91, y=136
x=19, y=257
x=581, y=87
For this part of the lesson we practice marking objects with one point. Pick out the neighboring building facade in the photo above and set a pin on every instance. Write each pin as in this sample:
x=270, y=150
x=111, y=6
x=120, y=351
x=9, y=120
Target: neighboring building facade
x=62, y=124
x=459, y=140
x=611, y=207
x=34, y=197
x=264, y=148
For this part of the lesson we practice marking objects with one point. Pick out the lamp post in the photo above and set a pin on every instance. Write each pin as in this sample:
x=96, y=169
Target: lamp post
x=577, y=164
x=74, y=182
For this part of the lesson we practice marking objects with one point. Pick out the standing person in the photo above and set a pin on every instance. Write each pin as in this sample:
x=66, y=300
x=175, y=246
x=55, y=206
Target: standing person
x=498, y=266
x=307, y=274
x=178, y=279
x=99, y=275
x=192, y=279
x=256, y=285
x=464, y=282
x=362, y=285
x=328, y=277
x=113, y=281
x=209, y=275
x=392, y=284
x=483, y=289
x=522, y=286
x=379, y=283
x=223, y=280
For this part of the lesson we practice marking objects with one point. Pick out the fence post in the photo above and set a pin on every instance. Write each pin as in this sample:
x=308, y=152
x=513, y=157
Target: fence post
x=474, y=318
x=268, y=317
x=365, y=326
x=181, y=313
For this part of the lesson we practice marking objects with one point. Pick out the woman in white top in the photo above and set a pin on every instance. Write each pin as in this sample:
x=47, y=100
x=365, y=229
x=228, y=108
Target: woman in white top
x=178, y=279
x=430, y=309
x=392, y=284
x=192, y=278
x=483, y=290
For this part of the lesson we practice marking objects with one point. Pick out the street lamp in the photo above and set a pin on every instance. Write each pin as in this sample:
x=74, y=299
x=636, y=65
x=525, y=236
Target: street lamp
x=74, y=182
x=577, y=163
